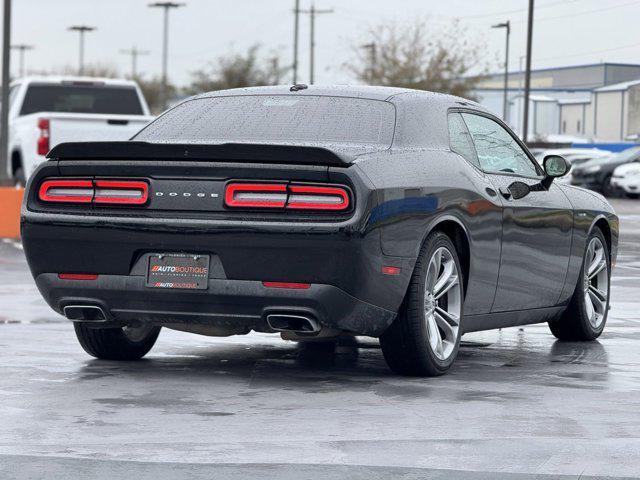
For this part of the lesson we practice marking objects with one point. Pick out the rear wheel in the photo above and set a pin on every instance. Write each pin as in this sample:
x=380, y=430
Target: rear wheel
x=586, y=315
x=606, y=188
x=424, y=339
x=19, y=178
x=634, y=196
x=122, y=343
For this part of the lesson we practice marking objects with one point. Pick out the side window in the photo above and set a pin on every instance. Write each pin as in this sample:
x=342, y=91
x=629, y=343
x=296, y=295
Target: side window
x=460, y=140
x=497, y=150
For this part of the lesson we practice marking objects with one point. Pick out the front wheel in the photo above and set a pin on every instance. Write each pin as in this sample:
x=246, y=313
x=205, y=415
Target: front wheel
x=424, y=339
x=121, y=343
x=586, y=315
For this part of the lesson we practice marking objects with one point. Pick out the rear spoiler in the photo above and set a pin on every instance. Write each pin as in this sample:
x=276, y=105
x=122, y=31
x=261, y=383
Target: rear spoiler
x=261, y=153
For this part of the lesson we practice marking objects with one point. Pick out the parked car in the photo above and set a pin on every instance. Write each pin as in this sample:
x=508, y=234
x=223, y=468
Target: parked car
x=45, y=111
x=626, y=179
x=575, y=156
x=405, y=215
x=596, y=174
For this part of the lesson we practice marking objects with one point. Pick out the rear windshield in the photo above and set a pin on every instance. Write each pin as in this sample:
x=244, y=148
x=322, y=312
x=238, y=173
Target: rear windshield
x=81, y=99
x=275, y=119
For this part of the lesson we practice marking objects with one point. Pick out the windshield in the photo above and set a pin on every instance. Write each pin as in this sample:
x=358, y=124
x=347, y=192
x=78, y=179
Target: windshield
x=81, y=99
x=275, y=119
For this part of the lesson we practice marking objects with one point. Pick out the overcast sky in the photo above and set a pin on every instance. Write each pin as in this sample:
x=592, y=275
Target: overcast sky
x=566, y=32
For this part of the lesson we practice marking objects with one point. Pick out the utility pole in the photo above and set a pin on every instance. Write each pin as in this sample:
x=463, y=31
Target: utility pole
x=312, y=47
x=166, y=6
x=275, y=69
x=373, y=60
x=135, y=53
x=81, y=29
x=4, y=119
x=527, y=75
x=507, y=26
x=21, y=49
x=296, y=32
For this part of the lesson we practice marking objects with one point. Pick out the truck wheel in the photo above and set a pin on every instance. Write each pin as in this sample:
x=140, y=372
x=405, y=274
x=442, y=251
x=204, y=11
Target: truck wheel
x=122, y=343
x=425, y=337
x=586, y=315
x=18, y=178
x=633, y=196
x=606, y=188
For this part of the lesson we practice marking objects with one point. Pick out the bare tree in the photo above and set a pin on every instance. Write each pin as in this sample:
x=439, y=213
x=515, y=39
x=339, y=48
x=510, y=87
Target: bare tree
x=236, y=71
x=413, y=57
x=152, y=91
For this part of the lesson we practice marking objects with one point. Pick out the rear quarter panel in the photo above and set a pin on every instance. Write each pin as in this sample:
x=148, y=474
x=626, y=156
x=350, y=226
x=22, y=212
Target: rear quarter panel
x=418, y=189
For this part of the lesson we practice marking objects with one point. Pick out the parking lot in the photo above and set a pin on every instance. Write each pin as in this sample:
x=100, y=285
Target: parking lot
x=517, y=401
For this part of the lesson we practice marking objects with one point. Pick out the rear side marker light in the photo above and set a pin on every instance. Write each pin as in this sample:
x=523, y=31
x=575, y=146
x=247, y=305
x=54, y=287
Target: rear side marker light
x=255, y=195
x=77, y=276
x=289, y=197
x=294, y=286
x=113, y=192
x=70, y=191
x=121, y=192
x=391, y=270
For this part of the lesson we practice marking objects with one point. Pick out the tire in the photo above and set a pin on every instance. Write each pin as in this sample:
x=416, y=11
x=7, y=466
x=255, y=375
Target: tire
x=409, y=345
x=606, y=188
x=19, y=178
x=633, y=196
x=119, y=343
x=578, y=322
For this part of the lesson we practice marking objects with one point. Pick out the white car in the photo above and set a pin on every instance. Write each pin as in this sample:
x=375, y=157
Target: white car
x=46, y=111
x=626, y=178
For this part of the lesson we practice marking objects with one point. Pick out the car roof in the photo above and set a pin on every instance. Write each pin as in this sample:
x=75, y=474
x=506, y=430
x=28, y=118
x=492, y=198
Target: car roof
x=58, y=79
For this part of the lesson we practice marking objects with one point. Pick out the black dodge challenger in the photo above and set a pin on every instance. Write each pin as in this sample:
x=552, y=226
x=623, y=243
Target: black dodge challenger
x=317, y=212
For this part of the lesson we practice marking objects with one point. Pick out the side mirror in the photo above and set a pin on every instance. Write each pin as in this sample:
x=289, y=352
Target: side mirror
x=556, y=166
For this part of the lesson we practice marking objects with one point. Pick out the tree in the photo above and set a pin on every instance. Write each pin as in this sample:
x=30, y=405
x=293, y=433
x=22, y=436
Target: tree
x=236, y=71
x=413, y=57
x=152, y=88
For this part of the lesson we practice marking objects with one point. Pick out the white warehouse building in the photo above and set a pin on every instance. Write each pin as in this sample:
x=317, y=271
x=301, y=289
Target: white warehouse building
x=599, y=102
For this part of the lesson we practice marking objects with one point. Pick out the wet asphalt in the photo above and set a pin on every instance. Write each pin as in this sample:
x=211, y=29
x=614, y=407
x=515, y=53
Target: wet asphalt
x=517, y=405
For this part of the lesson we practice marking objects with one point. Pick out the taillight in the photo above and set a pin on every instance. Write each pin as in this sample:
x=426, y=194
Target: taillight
x=255, y=195
x=67, y=191
x=103, y=192
x=121, y=192
x=43, y=139
x=290, y=197
x=309, y=197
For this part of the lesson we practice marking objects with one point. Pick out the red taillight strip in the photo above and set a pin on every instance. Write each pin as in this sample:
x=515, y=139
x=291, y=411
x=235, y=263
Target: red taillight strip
x=77, y=276
x=121, y=192
x=70, y=191
x=266, y=195
x=309, y=197
x=291, y=285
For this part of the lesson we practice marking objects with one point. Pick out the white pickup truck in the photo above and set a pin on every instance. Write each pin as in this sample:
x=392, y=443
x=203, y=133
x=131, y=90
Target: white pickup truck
x=45, y=111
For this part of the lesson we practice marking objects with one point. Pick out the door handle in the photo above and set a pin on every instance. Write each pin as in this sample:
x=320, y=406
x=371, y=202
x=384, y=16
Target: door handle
x=506, y=193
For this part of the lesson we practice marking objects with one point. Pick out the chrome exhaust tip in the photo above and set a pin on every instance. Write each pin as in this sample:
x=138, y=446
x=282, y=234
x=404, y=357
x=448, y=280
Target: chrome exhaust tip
x=85, y=313
x=285, y=322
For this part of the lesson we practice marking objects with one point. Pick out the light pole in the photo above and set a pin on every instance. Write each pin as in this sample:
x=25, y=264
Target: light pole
x=81, y=29
x=373, y=60
x=296, y=34
x=135, y=53
x=21, y=49
x=166, y=6
x=527, y=75
x=4, y=112
x=507, y=26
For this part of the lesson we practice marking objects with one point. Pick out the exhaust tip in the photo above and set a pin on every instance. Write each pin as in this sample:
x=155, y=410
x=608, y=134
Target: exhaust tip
x=284, y=322
x=85, y=313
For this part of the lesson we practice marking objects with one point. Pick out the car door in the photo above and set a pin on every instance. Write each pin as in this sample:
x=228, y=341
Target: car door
x=536, y=229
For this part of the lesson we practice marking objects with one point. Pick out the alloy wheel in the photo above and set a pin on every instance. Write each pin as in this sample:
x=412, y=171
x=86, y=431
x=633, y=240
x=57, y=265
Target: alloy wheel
x=442, y=303
x=595, y=283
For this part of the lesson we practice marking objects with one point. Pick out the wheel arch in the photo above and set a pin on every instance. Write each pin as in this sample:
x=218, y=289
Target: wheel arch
x=603, y=224
x=458, y=234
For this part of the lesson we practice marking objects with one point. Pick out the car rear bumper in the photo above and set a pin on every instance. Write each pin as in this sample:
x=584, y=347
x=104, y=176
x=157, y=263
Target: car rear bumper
x=236, y=304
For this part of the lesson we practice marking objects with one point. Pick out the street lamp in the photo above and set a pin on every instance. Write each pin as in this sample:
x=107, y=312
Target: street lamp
x=81, y=29
x=507, y=26
x=165, y=39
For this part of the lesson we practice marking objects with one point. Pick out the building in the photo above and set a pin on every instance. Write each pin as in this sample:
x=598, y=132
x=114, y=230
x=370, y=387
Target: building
x=598, y=102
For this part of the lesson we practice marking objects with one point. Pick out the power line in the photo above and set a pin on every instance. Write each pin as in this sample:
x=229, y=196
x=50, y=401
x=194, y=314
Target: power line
x=585, y=12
